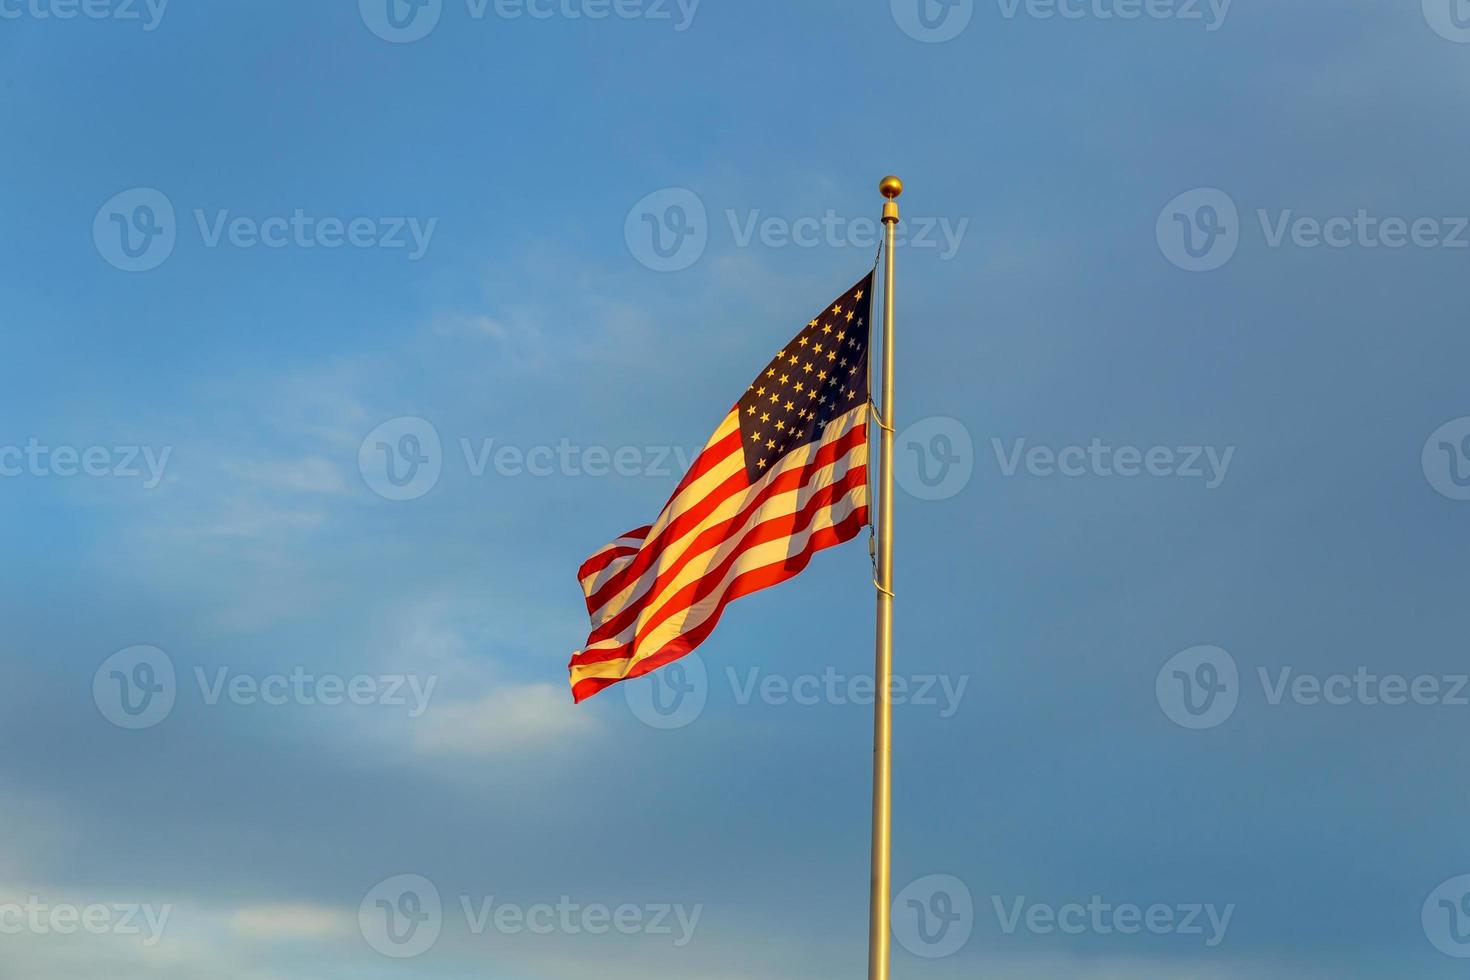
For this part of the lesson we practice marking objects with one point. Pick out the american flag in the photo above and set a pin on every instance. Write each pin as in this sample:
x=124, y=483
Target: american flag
x=784, y=476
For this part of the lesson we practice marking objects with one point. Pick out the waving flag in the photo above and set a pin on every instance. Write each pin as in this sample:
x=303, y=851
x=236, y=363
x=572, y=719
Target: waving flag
x=784, y=476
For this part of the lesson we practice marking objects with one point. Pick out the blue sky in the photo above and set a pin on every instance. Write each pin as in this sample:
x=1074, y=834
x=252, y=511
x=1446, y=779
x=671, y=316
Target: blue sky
x=1183, y=353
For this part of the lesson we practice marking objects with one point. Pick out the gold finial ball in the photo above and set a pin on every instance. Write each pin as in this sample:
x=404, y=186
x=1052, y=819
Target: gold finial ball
x=890, y=187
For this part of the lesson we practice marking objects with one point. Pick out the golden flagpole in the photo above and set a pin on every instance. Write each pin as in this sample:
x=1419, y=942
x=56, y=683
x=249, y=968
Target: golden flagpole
x=878, y=914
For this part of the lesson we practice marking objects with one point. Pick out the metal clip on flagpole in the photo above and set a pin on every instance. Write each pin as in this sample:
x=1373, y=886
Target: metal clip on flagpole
x=881, y=895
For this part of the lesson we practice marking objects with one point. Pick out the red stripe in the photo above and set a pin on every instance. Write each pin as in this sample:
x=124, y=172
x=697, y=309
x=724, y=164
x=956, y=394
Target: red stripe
x=711, y=456
x=611, y=555
x=698, y=513
x=713, y=535
x=687, y=520
x=707, y=460
x=716, y=534
x=745, y=584
x=775, y=529
x=605, y=557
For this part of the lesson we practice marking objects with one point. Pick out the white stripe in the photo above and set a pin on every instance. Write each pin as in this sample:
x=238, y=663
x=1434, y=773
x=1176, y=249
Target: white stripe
x=780, y=505
x=672, y=551
x=621, y=544
x=688, y=619
x=701, y=488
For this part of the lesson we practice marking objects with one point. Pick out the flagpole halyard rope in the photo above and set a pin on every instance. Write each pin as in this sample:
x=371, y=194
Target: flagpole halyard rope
x=878, y=416
x=872, y=498
x=873, y=406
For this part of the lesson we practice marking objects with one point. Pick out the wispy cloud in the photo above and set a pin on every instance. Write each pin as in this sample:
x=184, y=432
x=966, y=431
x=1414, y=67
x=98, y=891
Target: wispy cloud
x=277, y=922
x=515, y=718
x=308, y=475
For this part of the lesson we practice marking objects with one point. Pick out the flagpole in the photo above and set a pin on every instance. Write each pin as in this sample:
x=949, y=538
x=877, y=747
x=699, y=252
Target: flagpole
x=878, y=913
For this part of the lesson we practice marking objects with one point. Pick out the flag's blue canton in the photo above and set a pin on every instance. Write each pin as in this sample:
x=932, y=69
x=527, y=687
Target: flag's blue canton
x=821, y=374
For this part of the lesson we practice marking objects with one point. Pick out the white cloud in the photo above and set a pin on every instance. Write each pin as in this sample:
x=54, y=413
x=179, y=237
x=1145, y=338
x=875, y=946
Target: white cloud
x=510, y=719
x=39, y=830
x=253, y=519
x=274, y=922
x=313, y=474
x=518, y=339
x=460, y=324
